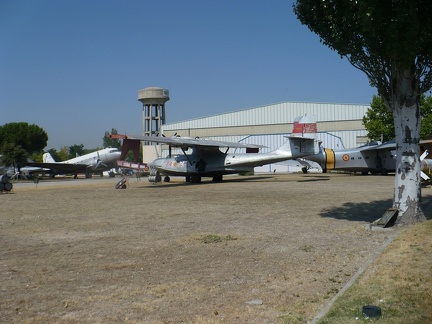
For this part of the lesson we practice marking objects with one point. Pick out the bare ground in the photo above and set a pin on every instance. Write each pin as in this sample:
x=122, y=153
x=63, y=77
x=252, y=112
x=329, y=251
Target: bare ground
x=260, y=249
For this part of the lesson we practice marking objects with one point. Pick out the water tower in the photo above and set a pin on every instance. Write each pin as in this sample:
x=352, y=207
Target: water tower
x=153, y=100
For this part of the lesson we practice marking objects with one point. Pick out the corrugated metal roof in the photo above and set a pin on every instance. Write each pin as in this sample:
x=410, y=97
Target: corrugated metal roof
x=284, y=112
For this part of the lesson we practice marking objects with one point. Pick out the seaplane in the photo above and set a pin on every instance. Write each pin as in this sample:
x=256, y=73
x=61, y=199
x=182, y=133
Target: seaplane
x=212, y=158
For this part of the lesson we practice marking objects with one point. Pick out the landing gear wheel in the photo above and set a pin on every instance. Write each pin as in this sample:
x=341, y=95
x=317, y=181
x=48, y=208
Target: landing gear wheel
x=217, y=178
x=304, y=170
x=154, y=176
x=195, y=179
x=167, y=179
x=384, y=172
x=365, y=172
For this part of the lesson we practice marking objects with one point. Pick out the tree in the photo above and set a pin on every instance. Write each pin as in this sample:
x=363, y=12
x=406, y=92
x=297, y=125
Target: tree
x=31, y=138
x=390, y=41
x=63, y=154
x=13, y=154
x=76, y=150
x=20, y=140
x=378, y=120
x=426, y=113
x=111, y=142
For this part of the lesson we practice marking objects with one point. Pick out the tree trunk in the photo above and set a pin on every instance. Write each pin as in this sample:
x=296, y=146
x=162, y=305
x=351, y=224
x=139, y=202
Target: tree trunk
x=406, y=115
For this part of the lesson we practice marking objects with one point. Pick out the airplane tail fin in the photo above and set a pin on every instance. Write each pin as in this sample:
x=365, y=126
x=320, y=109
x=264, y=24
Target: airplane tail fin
x=305, y=126
x=47, y=158
x=301, y=146
x=303, y=141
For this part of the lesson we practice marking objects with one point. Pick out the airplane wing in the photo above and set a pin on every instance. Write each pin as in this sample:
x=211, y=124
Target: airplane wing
x=390, y=145
x=59, y=167
x=384, y=146
x=191, y=142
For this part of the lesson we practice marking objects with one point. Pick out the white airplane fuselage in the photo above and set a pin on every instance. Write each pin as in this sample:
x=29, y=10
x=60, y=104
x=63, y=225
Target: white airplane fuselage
x=98, y=161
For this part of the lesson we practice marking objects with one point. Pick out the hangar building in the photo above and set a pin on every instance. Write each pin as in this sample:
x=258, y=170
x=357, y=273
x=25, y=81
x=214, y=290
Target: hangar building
x=340, y=120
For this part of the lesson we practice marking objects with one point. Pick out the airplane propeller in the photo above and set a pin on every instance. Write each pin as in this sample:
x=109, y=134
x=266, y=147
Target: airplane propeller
x=425, y=166
x=99, y=162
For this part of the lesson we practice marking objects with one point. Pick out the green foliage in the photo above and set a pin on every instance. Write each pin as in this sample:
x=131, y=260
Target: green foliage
x=13, y=154
x=211, y=238
x=20, y=140
x=378, y=120
x=111, y=142
x=381, y=38
x=30, y=138
x=63, y=154
x=76, y=150
x=426, y=113
x=36, y=157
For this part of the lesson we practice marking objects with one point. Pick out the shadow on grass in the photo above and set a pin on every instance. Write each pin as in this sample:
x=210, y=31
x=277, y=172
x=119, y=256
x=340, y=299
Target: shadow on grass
x=359, y=212
x=313, y=179
x=208, y=181
x=370, y=212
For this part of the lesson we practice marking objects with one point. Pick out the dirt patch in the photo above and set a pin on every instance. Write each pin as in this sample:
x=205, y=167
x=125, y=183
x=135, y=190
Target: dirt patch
x=261, y=249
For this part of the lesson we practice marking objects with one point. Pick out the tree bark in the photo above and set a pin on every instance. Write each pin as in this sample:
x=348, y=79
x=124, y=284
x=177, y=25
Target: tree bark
x=407, y=121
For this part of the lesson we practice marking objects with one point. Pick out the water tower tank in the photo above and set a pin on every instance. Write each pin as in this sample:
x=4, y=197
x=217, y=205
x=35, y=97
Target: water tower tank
x=153, y=100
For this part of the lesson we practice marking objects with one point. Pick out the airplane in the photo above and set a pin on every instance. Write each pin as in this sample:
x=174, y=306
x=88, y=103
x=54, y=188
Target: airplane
x=374, y=157
x=98, y=161
x=208, y=160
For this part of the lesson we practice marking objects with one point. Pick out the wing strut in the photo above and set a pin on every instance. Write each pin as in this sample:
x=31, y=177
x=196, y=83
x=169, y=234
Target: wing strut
x=187, y=157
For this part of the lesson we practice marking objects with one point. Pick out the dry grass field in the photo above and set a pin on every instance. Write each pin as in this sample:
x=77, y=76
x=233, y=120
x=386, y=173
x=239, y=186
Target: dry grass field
x=399, y=281
x=257, y=249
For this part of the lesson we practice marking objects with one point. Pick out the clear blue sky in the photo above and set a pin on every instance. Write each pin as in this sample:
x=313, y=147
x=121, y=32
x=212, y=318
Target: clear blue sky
x=74, y=67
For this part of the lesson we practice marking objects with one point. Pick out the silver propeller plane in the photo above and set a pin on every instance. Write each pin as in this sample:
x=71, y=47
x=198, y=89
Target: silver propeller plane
x=210, y=158
x=94, y=162
x=375, y=157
